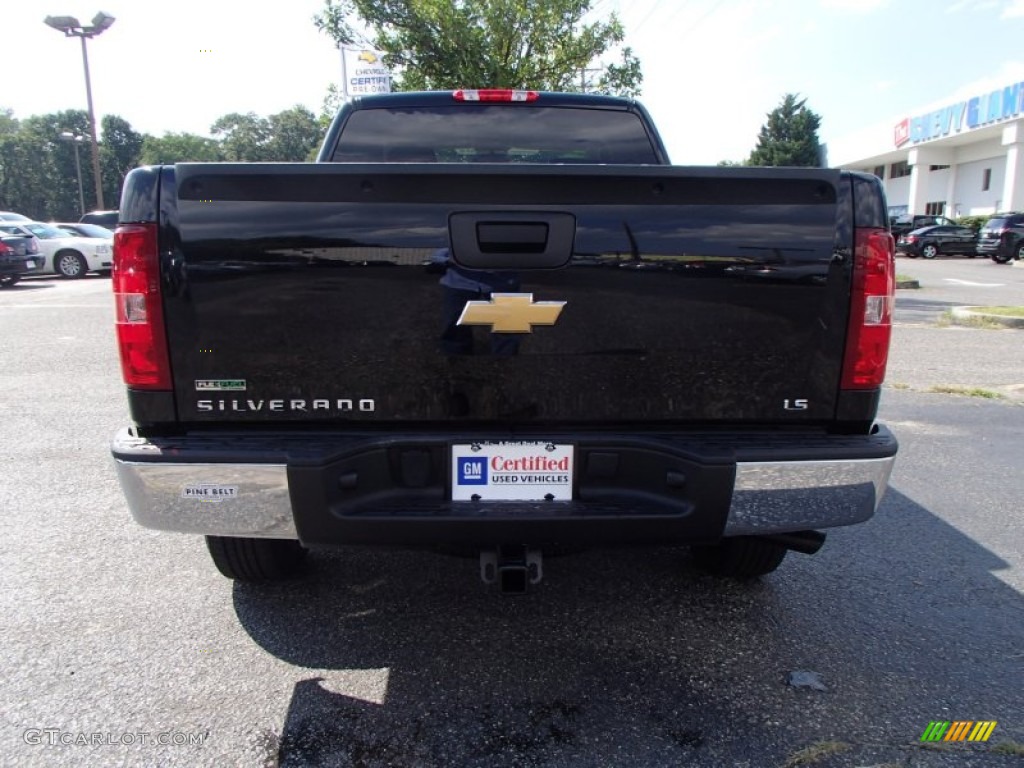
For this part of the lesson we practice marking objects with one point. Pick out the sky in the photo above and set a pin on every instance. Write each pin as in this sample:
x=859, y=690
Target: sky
x=713, y=69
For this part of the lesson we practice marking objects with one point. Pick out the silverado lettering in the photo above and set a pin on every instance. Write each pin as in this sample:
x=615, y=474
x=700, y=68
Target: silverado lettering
x=712, y=379
x=278, y=406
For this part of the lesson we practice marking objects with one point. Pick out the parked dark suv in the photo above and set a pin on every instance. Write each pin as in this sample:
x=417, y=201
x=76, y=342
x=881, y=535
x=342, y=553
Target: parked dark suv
x=1002, y=237
x=106, y=219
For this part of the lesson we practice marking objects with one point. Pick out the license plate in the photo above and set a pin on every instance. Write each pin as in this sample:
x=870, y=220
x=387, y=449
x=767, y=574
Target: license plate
x=512, y=471
x=30, y=264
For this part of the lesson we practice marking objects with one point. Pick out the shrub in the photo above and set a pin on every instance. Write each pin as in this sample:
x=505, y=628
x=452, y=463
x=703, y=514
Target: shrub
x=974, y=222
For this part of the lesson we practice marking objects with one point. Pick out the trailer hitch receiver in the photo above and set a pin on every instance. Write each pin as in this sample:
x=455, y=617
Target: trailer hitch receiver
x=512, y=567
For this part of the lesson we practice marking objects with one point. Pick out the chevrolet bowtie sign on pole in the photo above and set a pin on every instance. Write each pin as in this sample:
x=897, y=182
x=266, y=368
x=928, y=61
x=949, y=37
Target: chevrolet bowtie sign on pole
x=363, y=72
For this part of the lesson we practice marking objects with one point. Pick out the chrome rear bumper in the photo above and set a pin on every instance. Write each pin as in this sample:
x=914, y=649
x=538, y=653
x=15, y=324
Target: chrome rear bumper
x=254, y=499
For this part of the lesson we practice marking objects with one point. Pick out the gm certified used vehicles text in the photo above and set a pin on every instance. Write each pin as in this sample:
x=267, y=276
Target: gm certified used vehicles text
x=540, y=339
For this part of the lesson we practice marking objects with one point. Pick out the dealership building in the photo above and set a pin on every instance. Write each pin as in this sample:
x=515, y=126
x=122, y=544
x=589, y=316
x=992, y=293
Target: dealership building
x=965, y=158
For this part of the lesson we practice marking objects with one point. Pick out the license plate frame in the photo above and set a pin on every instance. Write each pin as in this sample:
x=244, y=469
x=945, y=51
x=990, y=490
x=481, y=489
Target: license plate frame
x=512, y=470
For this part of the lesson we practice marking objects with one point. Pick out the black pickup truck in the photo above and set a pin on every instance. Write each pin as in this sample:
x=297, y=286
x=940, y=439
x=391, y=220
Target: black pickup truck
x=902, y=225
x=502, y=322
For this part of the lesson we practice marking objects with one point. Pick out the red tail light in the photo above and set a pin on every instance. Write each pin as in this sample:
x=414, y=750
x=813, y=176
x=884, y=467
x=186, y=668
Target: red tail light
x=496, y=94
x=870, y=327
x=140, y=317
x=5, y=248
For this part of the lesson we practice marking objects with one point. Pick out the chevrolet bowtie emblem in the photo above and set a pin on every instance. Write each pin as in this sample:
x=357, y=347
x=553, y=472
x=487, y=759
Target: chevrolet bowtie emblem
x=511, y=313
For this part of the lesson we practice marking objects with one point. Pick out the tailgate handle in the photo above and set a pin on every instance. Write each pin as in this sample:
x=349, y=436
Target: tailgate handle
x=512, y=240
x=512, y=237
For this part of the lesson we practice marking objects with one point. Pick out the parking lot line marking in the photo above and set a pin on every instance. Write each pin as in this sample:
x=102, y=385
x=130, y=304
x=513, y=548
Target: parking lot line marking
x=978, y=285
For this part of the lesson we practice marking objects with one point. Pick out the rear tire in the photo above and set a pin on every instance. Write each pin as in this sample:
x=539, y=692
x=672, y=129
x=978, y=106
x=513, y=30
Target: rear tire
x=9, y=280
x=255, y=560
x=930, y=251
x=740, y=557
x=999, y=258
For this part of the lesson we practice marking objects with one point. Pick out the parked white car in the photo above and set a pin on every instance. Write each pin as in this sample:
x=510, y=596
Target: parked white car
x=64, y=254
x=85, y=230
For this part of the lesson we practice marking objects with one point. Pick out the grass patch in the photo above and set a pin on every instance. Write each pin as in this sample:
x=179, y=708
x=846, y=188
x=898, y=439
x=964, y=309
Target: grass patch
x=1009, y=748
x=817, y=751
x=946, y=319
x=899, y=385
x=905, y=279
x=1003, y=311
x=946, y=389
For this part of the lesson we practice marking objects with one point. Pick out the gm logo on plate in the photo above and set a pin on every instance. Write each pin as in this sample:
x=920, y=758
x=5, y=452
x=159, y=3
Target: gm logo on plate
x=472, y=470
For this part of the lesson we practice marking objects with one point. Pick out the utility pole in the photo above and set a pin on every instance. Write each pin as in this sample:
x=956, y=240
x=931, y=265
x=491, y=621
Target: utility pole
x=75, y=140
x=584, y=85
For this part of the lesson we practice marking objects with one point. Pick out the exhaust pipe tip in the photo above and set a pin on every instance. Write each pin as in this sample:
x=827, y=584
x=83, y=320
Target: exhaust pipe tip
x=805, y=542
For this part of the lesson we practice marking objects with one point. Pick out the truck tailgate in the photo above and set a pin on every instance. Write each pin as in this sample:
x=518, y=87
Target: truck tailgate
x=614, y=295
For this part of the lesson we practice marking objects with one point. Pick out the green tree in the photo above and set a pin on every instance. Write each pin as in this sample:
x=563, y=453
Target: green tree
x=179, y=148
x=295, y=134
x=243, y=138
x=37, y=169
x=790, y=137
x=8, y=123
x=329, y=108
x=120, y=151
x=442, y=44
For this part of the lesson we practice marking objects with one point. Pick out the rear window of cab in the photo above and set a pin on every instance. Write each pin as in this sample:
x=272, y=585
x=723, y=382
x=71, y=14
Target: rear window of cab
x=495, y=134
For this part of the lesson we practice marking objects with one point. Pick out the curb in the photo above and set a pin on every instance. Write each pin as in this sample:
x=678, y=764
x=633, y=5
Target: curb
x=969, y=313
x=908, y=284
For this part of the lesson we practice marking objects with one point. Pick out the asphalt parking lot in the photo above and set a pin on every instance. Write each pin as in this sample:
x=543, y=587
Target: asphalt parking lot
x=122, y=646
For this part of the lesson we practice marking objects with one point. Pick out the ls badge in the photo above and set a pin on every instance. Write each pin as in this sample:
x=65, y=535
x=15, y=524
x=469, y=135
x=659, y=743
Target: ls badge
x=511, y=313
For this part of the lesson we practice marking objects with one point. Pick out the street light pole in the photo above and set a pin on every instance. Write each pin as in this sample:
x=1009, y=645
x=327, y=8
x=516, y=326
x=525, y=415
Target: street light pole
x=70, y=26
x=92, y=131
x=75, y=141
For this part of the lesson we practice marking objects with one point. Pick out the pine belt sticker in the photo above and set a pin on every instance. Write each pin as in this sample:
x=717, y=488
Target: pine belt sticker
x=210, y=492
